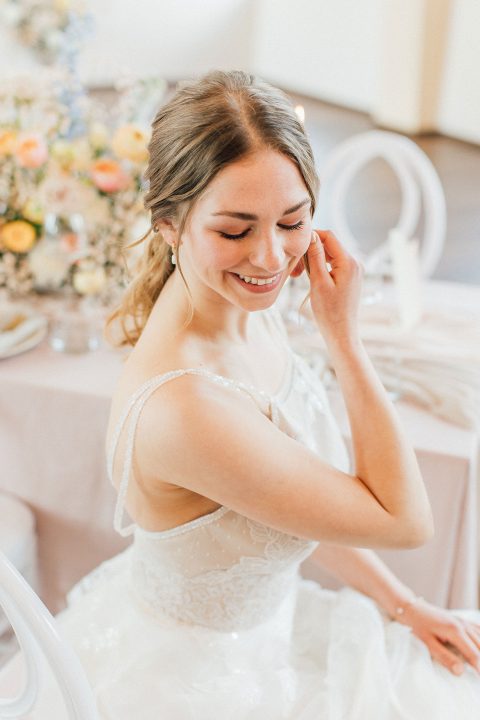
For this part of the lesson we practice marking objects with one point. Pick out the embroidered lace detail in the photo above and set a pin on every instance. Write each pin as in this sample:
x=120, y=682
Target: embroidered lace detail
x=279, y=546
x=233, y=597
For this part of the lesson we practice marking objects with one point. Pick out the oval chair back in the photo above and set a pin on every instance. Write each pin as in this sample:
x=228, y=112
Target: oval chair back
x=40, y=641
x=418, y=181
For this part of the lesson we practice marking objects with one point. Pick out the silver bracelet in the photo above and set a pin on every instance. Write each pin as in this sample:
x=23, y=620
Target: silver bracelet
x=400, y=609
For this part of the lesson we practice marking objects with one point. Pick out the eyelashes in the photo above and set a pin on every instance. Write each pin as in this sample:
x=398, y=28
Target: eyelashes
x=289, y=228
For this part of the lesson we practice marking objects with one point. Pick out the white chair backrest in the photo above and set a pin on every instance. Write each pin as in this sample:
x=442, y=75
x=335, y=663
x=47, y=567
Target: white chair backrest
x=40, y=641
x=418, y=181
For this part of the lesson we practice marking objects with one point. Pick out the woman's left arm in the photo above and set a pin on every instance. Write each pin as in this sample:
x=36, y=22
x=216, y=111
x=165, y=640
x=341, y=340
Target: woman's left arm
x=449, y=638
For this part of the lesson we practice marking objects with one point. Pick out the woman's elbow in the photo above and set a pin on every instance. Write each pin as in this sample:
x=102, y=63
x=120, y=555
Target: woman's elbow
x=419, y=533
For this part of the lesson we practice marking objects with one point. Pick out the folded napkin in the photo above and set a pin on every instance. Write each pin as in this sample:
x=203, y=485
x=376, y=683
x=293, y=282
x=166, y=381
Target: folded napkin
x=436, y=364
x=18, y=326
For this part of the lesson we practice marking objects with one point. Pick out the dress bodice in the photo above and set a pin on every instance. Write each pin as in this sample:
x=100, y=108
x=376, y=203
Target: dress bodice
x=224, y=570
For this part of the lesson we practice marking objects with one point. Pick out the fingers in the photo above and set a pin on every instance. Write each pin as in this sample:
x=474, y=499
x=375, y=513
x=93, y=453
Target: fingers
x=317, y=260
x=332, y=247
x=336, y=254
x=456, y=634
x=467, y=642
x=474, y=631
x=445, y=657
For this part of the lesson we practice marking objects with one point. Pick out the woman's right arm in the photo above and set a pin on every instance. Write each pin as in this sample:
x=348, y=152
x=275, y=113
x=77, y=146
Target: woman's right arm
x=212, y=440
x=384, y=458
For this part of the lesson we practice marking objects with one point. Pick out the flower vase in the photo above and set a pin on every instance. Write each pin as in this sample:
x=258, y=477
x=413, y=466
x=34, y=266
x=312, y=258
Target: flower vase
x=76, y=326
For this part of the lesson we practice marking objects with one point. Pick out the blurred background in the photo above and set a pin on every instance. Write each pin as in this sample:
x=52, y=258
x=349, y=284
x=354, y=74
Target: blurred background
x=403, y=65
x=80, y=82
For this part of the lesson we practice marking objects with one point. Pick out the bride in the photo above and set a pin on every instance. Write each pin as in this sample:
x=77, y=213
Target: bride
x=228, y=461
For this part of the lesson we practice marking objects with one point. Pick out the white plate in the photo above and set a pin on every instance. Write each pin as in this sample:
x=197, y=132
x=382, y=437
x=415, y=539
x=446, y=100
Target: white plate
x=27, y=343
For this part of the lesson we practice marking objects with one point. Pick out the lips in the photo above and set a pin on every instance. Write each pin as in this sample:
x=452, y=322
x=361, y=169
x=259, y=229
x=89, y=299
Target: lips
x=254, y=287
x=254, y=280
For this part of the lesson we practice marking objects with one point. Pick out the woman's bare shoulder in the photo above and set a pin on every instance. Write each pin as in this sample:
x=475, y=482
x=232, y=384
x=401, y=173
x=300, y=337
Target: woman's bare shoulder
x=145, y=362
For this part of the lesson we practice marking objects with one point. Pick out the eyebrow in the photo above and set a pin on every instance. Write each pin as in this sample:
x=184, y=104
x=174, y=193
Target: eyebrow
x=249, y=216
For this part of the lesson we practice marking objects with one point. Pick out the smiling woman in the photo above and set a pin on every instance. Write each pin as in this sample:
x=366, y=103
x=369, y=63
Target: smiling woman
x=225, y=453
x=196, y=137
x=257, y=245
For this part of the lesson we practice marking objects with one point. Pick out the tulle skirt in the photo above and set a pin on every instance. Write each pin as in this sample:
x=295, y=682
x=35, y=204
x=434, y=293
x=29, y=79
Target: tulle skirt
x=322, y=655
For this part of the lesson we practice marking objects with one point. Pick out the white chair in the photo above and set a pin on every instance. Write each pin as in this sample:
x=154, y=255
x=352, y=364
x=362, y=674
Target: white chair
x=40, y=641
x=18, y=541
x=418, y=182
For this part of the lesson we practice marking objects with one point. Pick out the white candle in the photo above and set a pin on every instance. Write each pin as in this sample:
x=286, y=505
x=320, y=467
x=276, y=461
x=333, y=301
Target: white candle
x=406, y=277
x=300, y=113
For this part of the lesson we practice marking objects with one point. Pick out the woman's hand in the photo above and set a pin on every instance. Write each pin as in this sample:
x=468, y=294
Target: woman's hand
x=451, y=640
x=335, y=294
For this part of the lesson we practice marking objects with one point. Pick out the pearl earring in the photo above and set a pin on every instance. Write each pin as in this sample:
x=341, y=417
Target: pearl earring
x=174, y=257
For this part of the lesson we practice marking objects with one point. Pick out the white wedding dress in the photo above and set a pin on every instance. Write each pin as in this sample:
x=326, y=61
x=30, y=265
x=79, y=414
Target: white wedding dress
x=211, y=620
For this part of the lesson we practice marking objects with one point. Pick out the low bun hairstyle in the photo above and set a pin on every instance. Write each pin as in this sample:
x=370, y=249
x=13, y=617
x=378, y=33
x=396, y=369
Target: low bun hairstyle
x=208, y=124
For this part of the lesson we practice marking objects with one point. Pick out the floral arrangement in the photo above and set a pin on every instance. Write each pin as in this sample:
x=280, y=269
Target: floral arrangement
x=68, y=205
x=42, y=24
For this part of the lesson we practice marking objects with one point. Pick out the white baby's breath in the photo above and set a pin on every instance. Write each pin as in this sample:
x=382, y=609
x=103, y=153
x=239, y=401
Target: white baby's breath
x=64, y=186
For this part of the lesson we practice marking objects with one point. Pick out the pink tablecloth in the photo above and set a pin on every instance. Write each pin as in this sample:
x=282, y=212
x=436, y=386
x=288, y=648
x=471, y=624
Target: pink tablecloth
x=53, y=414
x=444, y=570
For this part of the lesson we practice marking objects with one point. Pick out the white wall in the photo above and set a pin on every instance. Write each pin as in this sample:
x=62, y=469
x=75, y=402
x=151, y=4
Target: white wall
x=323, y=48
x=329, y=49
x=412, y=42
x=175, y=39
x=459, y=108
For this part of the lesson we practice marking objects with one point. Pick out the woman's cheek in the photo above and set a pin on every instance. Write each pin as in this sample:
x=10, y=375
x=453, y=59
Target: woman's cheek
x=302, y=242
x=223, y=255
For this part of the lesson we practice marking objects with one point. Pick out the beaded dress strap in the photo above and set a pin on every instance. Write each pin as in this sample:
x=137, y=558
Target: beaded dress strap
x=134, y=409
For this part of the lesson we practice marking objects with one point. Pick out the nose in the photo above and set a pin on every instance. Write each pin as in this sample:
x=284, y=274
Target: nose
x=268, y=253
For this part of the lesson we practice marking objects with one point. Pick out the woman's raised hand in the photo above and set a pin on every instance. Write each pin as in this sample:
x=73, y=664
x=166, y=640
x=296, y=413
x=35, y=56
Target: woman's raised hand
x=334, y=294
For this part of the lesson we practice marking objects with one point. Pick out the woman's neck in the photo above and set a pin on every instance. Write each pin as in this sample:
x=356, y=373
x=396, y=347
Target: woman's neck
x=214, y=319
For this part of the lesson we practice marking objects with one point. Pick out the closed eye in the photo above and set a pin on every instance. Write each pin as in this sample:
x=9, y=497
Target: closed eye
x=289, y=228
x=297, y=226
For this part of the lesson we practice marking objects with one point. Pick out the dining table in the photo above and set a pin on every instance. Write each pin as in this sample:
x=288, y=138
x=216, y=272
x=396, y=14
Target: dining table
x=54, y=408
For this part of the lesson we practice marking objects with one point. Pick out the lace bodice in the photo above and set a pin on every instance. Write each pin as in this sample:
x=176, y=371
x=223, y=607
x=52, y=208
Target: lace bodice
x=224, y=570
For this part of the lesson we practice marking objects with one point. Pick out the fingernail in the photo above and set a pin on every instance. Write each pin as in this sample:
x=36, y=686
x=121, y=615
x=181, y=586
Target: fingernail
x=458, y=668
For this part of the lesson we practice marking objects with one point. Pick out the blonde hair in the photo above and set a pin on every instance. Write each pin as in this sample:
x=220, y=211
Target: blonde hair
x=207, y=125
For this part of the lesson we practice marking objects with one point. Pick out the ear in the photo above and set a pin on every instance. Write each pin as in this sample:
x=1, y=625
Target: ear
x=168, y=229
x=298, y=269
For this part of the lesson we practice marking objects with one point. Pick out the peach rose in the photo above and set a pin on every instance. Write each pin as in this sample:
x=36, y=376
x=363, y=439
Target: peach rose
x=17, y=236
x=130, y=143
x=7, y=142
x=109, y=176
x=31, y=150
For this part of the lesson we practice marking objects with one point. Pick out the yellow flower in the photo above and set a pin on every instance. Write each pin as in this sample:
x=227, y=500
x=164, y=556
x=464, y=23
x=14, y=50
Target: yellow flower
x=33, y=211
x=62, y=6
x=130, y=143
x=7, y=142
x=98, y=136
x=64, y=153
x=17, y=236
x=89, y=280
x=82, y=155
